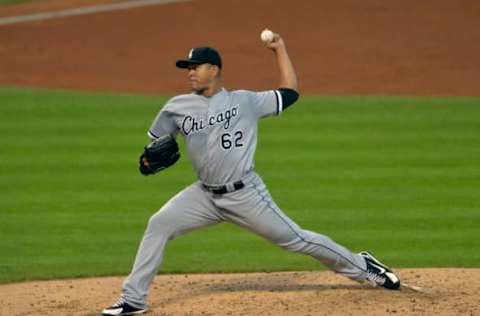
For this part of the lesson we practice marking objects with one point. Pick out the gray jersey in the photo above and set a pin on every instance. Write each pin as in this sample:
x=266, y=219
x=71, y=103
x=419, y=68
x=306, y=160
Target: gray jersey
x=220, y=132
x=221, y=136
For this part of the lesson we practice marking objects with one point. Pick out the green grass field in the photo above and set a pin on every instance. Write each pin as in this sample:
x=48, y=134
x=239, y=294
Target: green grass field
x=10, y=2
x=398, y=176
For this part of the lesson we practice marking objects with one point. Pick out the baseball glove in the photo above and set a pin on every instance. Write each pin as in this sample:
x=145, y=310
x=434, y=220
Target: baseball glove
x=161, y=153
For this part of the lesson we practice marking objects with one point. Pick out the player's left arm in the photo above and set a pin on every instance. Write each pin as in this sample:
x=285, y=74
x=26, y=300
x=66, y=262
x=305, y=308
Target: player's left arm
x=288, y=91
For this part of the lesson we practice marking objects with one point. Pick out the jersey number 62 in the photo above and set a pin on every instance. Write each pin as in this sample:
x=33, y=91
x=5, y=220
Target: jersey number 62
x=229, y=140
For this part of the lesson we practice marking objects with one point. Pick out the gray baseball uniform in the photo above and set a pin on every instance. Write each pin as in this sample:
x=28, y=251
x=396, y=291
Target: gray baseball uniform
x=221, y=136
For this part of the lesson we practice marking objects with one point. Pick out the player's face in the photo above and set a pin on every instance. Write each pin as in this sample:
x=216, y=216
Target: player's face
x=201, y=76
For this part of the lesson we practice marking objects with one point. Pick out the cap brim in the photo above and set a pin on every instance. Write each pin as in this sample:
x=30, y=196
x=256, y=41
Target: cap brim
x=184, y=63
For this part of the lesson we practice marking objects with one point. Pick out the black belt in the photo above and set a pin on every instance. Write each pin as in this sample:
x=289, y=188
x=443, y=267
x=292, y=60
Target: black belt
x=222, y=189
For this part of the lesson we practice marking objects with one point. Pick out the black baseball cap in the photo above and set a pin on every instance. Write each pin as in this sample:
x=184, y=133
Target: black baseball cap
x=201, y=55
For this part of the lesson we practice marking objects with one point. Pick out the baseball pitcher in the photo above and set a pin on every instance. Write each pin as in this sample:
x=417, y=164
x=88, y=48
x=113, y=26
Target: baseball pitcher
x=220, y=132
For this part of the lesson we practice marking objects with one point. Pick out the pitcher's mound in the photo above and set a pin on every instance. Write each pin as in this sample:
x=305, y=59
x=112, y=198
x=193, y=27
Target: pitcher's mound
x=436, y=292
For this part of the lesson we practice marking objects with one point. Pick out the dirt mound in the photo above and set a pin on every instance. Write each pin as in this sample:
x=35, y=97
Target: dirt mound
x=442, y=292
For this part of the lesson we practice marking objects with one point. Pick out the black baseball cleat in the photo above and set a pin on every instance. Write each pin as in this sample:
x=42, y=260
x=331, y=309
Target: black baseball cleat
x=122, y=308
x=379, y=274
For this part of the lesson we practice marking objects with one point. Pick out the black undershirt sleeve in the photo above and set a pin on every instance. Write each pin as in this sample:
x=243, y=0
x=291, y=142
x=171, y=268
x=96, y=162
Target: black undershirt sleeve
x=289, y=96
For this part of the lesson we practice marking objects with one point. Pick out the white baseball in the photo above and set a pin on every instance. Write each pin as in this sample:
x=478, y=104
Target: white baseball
x=266, y=36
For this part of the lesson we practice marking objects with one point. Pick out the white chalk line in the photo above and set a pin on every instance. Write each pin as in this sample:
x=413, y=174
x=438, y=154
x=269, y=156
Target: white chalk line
x=82, y=11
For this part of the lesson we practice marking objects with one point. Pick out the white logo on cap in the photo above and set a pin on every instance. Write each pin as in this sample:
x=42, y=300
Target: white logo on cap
x=190, y=54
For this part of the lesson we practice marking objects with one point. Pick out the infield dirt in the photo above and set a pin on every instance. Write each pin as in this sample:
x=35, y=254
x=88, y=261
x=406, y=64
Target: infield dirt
x=345, y=47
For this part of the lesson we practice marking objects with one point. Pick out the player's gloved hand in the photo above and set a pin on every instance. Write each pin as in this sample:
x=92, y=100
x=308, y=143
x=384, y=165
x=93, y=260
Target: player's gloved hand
x=161, y=153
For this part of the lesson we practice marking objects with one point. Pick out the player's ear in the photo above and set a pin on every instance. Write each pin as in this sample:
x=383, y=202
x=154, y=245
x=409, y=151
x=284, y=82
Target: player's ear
x=216, y=71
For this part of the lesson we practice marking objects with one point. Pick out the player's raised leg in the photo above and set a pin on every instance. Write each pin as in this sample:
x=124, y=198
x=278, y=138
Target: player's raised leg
x=254, y=209
x=188, y=210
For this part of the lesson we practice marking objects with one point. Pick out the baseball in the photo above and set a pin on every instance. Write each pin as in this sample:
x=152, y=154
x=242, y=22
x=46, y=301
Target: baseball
x=266, y=36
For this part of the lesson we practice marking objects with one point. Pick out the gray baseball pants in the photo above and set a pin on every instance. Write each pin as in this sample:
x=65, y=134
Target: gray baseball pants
x=250, y=207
